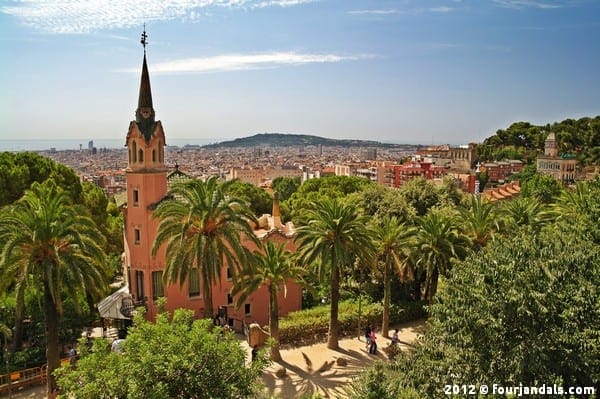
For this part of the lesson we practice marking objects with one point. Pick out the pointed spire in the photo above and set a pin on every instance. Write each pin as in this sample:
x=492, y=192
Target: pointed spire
x=144, y=115
x=145, y=99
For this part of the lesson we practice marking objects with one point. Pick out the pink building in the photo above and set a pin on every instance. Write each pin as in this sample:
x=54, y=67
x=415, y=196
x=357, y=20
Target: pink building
x=147, y=183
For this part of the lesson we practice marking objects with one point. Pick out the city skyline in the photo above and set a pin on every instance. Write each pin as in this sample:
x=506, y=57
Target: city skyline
x=406, y=71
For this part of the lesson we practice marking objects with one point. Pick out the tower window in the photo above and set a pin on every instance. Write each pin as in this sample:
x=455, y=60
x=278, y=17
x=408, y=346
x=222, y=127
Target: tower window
x=137, y=236
x=157, y=285
x=194, y=283
x=229, y=299
x=139, y=284
x=247, y=309
x=228, y=273
x=141, y=155
x=153, y=155
x=136, y=197
x=134, y=151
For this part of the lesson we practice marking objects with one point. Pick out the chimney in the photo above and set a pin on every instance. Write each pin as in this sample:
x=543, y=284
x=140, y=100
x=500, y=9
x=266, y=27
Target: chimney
x=276, y=214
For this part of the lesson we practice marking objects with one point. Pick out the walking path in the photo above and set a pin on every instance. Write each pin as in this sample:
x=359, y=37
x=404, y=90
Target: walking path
x=311, y=369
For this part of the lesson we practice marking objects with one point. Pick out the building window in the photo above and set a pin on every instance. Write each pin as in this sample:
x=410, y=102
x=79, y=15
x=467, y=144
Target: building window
x=229, y=299
x=194, y=283
x=140, y=155
x=247, y=309
x=136, y=197
x=157, y=285
x=228, y=273
x=153, y=155
x=139, y=284
x=137, y=235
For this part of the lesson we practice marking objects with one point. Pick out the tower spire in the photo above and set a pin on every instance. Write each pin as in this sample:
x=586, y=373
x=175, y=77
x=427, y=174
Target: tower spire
x=144, y=115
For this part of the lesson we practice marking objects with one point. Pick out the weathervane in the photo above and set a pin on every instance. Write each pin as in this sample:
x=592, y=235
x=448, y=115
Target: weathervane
x=144, y=39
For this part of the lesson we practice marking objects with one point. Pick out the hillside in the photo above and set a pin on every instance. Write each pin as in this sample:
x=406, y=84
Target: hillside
x=286, y=140
x=522, y=140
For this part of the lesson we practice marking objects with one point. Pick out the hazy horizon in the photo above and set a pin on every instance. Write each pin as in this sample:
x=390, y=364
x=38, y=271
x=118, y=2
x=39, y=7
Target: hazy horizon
x=403, y=71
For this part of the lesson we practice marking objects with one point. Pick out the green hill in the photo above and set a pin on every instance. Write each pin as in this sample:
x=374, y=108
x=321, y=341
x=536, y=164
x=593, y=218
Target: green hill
x=287, y=140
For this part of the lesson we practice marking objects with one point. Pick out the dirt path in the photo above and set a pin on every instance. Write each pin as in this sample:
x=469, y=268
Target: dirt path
x=315, y=369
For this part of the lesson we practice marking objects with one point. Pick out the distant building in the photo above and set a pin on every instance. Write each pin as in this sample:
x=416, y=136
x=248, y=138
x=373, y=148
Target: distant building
x=561, y=167
x=263, y=176
x=416, y=169
x=462, y=158
x=499, y=171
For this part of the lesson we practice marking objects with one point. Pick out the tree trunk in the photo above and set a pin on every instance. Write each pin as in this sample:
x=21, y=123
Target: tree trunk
x=19, y=314
x=332, y=341
x=207, y=299
x=387, y=293
x=52, y=346
x=274, y=323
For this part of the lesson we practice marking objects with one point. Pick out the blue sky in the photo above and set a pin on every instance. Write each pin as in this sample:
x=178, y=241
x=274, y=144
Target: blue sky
x=406, y=71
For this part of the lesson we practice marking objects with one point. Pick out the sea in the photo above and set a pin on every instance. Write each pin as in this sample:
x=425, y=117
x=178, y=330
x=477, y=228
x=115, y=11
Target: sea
x=76, y=144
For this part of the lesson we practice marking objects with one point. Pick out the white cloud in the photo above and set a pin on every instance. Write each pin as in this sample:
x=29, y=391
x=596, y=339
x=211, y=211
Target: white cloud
x=84, y=16
x=519, y=4
x=238, y=62
x=374, y=12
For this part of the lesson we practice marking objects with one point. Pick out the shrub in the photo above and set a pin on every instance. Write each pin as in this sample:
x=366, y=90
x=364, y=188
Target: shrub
x=311, y=325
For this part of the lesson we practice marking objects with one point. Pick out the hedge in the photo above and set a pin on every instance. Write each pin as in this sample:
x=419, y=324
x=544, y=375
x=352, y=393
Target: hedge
x=311, y=325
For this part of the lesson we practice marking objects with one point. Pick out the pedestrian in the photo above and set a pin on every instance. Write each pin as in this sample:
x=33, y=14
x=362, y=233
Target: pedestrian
x=373, y=347
x=72, y=355
x=395, y=339
x=254, y=352
x=368, y=337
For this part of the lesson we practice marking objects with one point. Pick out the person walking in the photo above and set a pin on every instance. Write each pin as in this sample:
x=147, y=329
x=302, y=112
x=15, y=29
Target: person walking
x=373, y=346
x=368, y=338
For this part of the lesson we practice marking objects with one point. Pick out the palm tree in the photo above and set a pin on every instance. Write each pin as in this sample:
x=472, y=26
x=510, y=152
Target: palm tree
x=393, y=241
x=334, y=235
x=438, y=241
x=202, y=228
x=481, y=221
x=525, y=212
x=273, y=267
x=46, y=237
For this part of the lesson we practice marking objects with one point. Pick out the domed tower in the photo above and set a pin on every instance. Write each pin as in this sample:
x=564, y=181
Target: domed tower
x=146, y=178
x=551, y=146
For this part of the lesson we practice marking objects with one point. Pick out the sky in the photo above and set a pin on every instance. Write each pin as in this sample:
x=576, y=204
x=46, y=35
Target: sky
x=403, y=71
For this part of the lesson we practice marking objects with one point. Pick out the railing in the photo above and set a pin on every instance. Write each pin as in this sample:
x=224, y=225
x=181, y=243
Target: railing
x=24, y=378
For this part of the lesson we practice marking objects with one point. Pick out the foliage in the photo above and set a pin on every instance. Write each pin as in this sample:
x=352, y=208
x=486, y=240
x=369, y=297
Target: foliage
x=377, y=383
x=285, y=186
x=543, y=188
x=19, y=170
x=522, y=140
x=45, y=237
x=202, y=228
x=438, y=242
x=333, y=238
x=310, y=325
x=480, y=221
x=171, y=358
x=314, y=191
x=259, y=201
x=525, y=310
x=380, y=201
x=422, y=195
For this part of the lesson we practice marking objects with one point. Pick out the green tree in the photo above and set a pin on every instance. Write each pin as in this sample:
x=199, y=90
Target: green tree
x=174, y=357
x=525, y=310
x=421, y=194
x=335, y=234
x=481, y=221
x=541, y=187
x=524, y=212
x=259, y=201
x=202, y=228
x=393, y=241
x=437, y=242
x=273, y=267
x=44, y=236
x=285, y=186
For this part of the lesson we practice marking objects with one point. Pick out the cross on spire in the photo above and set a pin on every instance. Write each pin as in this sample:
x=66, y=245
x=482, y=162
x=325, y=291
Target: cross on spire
x=144, y=39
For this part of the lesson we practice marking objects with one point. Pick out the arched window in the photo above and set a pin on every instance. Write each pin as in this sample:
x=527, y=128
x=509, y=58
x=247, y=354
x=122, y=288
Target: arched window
x=153, y=155
x=134, y=151
x=140, y=155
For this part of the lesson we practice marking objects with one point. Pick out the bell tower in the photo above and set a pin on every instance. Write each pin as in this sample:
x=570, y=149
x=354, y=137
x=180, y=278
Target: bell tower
x=146, y=178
